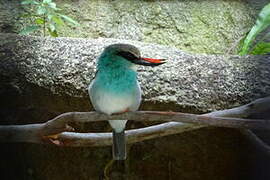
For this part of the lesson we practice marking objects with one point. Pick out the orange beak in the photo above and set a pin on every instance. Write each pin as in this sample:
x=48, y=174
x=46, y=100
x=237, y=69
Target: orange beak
x=150, y=61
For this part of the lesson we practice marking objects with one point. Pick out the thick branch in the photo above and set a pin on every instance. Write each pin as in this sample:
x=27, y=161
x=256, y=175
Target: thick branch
x=255, y=107
x=132, y=136
x=34, y=132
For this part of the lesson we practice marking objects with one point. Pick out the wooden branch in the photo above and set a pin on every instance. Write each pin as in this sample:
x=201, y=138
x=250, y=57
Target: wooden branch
x=132, y=136
x=35, y=133
x=258, y=106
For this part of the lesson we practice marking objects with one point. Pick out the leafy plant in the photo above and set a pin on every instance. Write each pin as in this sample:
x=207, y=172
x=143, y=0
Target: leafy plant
x=261, y=47
x=45, y=16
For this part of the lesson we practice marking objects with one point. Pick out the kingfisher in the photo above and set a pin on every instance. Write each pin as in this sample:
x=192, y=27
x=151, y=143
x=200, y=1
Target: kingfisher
x=115, y=88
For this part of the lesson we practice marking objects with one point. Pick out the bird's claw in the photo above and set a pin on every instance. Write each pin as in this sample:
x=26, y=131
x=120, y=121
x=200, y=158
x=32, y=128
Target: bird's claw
x=54, y=139
x=126, y=110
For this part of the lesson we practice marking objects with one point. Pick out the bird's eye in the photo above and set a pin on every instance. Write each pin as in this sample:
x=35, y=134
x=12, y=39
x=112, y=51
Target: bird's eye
x=127, y=55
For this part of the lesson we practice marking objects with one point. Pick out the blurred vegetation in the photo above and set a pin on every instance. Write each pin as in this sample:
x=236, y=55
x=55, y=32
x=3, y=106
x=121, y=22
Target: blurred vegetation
x=256, y=43
x=45, y=16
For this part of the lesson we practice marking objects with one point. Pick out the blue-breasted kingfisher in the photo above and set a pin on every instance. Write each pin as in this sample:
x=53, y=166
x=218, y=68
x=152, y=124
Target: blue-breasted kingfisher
x=115, y=88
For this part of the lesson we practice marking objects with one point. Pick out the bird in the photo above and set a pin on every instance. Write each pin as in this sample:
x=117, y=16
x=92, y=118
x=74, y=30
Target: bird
x=115, y=88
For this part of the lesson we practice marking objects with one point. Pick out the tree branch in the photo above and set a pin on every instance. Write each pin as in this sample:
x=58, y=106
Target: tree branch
x=35, y=133
x=258, y=106
x=132, y=136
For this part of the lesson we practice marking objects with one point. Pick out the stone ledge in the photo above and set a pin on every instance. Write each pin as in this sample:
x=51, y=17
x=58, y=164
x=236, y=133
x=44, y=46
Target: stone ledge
x=65, y=67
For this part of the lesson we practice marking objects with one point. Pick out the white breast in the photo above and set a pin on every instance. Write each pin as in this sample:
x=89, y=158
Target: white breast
x=109, y=103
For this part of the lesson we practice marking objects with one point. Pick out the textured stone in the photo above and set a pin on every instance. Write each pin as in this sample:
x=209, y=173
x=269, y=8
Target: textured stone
x=65, y=67
x=196, y=26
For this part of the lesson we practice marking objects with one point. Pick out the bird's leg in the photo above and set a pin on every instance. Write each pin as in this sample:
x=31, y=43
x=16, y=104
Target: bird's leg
x=119, y=142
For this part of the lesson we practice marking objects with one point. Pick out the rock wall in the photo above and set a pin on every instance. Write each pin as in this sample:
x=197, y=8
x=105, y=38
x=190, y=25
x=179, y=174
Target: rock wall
x=208, y=26
x=65, y=67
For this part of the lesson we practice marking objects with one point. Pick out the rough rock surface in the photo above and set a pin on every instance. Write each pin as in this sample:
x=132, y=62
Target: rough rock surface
x=65, y=66
x=196, y=26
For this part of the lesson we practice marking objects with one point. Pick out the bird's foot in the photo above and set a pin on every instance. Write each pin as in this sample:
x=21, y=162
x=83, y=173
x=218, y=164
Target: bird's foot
x=54, y=139
x=126, y=110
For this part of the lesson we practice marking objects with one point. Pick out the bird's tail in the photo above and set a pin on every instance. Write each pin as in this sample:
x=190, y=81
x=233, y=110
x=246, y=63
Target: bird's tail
x=119, y=145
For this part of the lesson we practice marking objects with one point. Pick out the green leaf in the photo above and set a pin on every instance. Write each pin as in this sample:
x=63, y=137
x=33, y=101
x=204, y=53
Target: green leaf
x=41, y=10
x=39, y=21
x=49, y=16
x=29, y=2
x=262, y=23
x=26, y=15
x=53, y=33
x=52, y=27
x=47, y=1
x=52, y=5
x=29, y=15
x=261, y=48
x=57, y=20
x=69, y=20
x=29, y=29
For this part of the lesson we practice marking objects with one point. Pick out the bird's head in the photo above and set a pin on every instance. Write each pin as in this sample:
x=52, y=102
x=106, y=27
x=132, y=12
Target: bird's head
x=117, y=55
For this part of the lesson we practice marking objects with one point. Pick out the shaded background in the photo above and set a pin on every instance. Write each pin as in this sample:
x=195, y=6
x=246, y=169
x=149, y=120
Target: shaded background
x=205, y=26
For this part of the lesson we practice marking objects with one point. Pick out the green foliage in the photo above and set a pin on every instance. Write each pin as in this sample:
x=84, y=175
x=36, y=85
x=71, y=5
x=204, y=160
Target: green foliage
x=29, y=29
x=261, y=48
x=262, y=22
x=45, y=16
